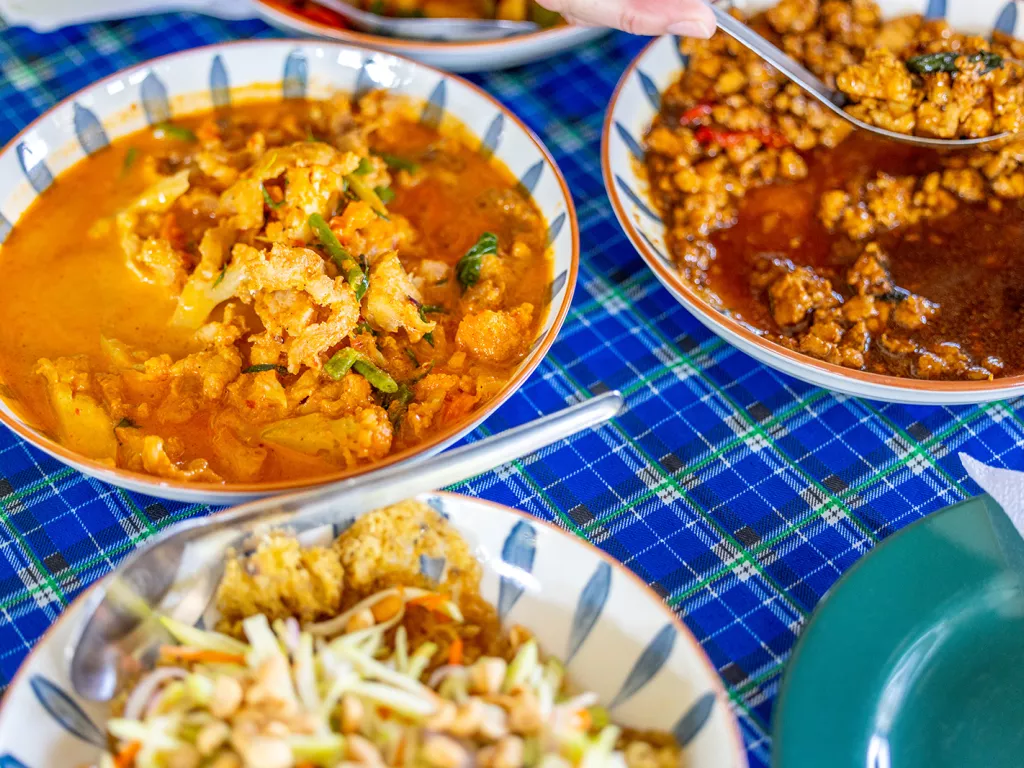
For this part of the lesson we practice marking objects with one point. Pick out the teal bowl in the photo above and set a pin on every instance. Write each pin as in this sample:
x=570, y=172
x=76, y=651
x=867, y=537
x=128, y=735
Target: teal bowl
x=916, y=656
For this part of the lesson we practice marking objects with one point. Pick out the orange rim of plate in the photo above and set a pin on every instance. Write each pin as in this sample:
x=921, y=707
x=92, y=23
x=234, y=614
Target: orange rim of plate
x=721, y=694
x=699, y=306
x=397, y=43
x=228, y=489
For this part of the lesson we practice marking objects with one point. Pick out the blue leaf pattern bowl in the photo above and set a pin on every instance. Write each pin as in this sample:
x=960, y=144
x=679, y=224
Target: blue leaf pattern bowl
x=633, y=107
x=616, y=636
x=205, y=78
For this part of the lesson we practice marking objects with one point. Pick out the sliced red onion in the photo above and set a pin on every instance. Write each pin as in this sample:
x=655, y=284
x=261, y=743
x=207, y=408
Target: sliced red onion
x=439, y=674
x=135, y=707
x=291, y=634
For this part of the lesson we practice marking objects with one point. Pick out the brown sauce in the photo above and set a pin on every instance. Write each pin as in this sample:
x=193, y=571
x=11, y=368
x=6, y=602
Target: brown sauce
x=970, y=262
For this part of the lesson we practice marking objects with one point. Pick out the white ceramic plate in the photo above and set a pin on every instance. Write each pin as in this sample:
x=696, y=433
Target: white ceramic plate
x=630, y=113
x=455, y=57
x=618, y=639
x=202, y=78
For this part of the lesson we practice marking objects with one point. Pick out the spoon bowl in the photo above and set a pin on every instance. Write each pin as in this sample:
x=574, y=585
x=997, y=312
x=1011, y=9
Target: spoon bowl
x=441, y=30
x=833, y=99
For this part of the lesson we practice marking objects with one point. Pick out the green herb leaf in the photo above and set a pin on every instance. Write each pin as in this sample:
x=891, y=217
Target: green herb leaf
x=412, y=356
x=396, y=163
x=429, y=338
x=442, y=281
x=129, y=159
x=269, y=200
x=364, y=327
x=375, y=376
x=419, y=376
x=366, y=193
x=377, y=7
x=344, y=260
x=126, y=423
x=220, y=277
x=365, y=166
x=386, y=194
x=397, y=404
x=403, y=395
x=467, y=270
x=427, y=309
x=341, y=363
x=350, y=359
x=945, y=61
x=261, y=367
x=179, y=132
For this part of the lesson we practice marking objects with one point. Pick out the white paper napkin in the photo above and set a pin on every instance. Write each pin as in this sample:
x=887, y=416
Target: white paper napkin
x=48, y=15
x=1006, y=486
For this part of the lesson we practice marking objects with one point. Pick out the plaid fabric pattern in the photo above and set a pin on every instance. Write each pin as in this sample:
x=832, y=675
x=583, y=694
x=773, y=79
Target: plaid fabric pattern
x=738, y=493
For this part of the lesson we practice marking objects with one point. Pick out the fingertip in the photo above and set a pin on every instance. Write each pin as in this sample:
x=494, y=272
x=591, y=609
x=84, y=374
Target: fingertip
x=576, y=21
x=697, y=20
x=695, y=26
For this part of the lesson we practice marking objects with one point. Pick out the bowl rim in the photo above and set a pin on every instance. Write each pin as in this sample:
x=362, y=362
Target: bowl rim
x=717, y=686
x=697, y=305
x=408, y=47
x=439, y=441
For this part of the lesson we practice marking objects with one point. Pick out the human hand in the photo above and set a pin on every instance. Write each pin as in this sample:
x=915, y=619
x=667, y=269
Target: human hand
x=689, y=18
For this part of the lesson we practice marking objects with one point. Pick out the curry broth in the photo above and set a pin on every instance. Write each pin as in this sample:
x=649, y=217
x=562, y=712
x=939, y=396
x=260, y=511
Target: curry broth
x=66, y=282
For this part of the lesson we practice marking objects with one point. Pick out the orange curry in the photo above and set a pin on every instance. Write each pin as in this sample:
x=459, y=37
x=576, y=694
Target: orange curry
x=512, y=10
x=274, y=292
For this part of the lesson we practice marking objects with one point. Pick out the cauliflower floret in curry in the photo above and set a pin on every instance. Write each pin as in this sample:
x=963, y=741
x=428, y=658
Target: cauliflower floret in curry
x=304, y=259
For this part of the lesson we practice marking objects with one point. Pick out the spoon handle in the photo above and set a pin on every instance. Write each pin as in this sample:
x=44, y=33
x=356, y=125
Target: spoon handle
x=391, y=485
x=346, y=500
x=176, y=573
x=785, y=64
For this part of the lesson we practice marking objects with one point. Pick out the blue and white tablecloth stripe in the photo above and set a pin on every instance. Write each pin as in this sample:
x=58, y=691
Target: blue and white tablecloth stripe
x=739, y=494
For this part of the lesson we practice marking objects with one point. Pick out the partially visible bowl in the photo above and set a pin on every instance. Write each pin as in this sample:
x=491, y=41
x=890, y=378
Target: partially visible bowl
x=911, y=658
x=197, y=80
x=455, y=57
x=630, y=113
x=619, y=639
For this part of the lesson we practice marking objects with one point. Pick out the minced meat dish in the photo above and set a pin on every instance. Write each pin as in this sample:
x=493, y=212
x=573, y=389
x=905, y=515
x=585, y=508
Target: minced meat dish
x=869, y=254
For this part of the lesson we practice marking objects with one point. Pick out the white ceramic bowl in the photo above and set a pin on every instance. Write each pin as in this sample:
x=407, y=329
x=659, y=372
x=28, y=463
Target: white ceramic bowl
x=199, y=79
x=456, y=57
x=618, y=638
x=633, y=107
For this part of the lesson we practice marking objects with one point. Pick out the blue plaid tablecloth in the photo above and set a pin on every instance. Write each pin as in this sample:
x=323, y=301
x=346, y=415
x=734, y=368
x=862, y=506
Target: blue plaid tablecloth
x=738, y=493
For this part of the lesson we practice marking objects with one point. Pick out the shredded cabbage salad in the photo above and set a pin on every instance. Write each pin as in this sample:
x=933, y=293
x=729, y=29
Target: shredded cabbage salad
x=348, y=691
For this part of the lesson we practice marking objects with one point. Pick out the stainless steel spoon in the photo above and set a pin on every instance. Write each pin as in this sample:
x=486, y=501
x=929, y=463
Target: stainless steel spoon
x=834, y=100
x=176, y=574
x=441, y=30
